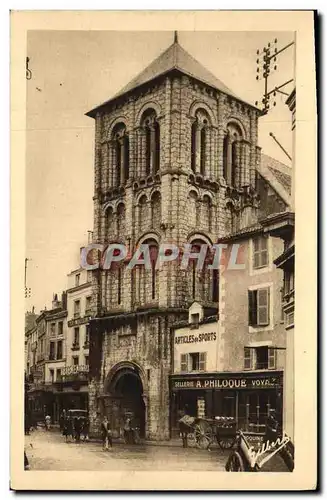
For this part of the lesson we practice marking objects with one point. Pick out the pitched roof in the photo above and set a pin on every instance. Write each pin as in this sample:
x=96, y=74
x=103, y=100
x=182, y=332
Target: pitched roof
x=278, y=175
x=173, y=58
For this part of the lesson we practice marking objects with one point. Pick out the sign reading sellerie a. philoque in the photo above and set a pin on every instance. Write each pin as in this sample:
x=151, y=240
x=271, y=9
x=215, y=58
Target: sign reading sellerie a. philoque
x=195, y=338
x=227, y=383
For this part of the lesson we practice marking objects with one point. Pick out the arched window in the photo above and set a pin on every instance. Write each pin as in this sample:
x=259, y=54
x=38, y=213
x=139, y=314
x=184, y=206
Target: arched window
x=147, y=279
x=215, y=285
x=110, y=223
x=232, y=155
x=152, y=141
x=193, y=146
x=200, y=143
x=206, y=213
x=203, y=151
x=121, y=219
x=120, y=144
x=143, y=213
x=156, y=209
x=192, y=208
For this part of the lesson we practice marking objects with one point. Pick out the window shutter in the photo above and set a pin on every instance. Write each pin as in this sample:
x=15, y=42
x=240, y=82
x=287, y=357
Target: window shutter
x=202, y=361
x=183, y=362
x=248, y=357
x=271, y=358
x=263, y=306
x=252, y=303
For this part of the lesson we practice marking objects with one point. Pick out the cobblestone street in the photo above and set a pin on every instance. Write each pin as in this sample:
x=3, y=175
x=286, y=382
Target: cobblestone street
x=49, y=451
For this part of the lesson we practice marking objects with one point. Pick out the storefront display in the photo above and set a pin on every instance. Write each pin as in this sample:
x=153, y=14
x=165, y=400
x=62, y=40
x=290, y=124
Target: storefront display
x=245, y=396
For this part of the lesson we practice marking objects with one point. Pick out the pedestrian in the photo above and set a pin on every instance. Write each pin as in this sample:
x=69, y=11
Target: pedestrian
x=86, y=427
x=106, y=434
x=62, y=420
x=127, y=431
x=47, y=422
x=78, y=428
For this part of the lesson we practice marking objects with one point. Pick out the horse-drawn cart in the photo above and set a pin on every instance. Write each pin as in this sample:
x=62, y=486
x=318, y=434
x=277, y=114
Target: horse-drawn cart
x=202, y=432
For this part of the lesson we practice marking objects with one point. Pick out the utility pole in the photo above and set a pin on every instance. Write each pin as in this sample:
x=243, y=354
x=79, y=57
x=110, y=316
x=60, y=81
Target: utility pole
x=265, y=67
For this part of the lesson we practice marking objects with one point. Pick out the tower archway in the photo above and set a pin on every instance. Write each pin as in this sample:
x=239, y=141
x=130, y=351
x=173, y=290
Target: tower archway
x=126, y=389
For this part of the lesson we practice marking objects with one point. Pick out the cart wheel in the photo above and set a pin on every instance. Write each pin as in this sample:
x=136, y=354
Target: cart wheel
x=191, y=440
x=235, y=463
x=203, y=435
x=226, y=443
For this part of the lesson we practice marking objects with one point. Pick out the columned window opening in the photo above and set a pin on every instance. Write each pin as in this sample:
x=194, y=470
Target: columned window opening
x=232, y=158
x=152, y=142
x=200, y=161
x=120, y=144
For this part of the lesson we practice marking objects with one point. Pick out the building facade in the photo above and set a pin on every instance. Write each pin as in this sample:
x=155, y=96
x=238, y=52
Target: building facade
x=176, y=156
x=74, y=376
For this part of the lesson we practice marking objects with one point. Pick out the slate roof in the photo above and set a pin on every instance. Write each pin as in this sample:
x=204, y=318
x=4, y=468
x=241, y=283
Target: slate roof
x=282, y=172
x=278, y=175
x=173, y=58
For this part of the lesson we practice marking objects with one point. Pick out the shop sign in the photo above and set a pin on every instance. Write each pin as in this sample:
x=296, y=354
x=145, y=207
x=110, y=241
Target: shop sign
x=196, y=338
x=79, y=321
x=267, y=382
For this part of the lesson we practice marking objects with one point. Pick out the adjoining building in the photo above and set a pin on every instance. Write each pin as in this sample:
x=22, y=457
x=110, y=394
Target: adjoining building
x=234, y=366
x=176, y=160
x=73, y=380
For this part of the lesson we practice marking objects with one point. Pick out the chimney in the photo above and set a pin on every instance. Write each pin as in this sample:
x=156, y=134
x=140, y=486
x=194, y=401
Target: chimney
x=55, y=301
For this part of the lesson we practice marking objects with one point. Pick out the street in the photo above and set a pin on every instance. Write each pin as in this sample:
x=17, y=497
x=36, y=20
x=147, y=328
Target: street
x=49, y=451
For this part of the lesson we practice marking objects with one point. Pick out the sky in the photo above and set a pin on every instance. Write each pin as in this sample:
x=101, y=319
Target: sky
x=72, y=72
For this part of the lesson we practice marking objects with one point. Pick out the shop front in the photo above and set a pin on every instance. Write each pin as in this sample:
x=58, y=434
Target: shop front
x=246, y=396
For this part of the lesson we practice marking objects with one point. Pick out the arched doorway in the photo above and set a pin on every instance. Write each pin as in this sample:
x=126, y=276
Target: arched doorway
x=127, y=394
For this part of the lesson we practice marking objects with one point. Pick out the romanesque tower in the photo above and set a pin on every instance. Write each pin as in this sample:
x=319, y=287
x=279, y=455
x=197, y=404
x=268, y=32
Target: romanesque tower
x=175, y=162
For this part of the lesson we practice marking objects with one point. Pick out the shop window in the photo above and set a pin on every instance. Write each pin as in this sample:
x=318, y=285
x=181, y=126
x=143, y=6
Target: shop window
x=52, y=375
x=260, y=252
x=58, y=376
x=59, y=350
x=52, y=354
x=259, y=301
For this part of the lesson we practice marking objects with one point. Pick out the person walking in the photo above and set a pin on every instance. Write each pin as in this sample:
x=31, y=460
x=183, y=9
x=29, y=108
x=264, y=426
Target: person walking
x=86, y=428
x=62, y=420
x=47, y=422
x=106, y=434
x=78, y=428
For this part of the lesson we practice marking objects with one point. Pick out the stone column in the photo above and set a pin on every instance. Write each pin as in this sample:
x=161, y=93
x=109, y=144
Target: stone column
x=152, y=148
x=198, y=148
x=229, y=159
x=122, y=160
x=114, y=165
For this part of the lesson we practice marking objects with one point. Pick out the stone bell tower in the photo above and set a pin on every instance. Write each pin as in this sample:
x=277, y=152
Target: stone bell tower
x=175, y=161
